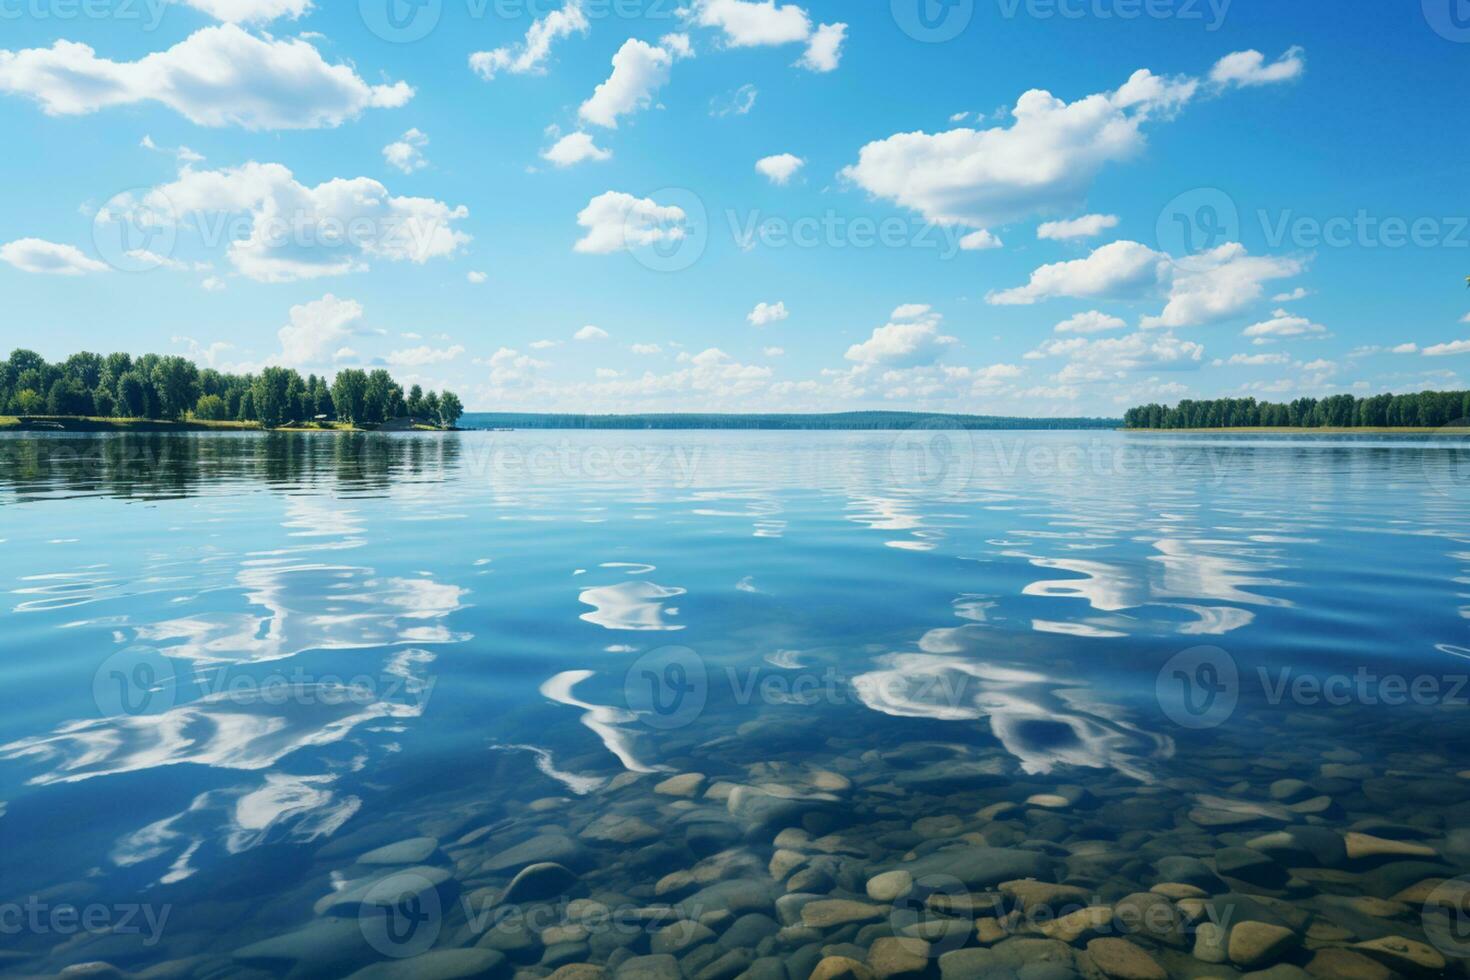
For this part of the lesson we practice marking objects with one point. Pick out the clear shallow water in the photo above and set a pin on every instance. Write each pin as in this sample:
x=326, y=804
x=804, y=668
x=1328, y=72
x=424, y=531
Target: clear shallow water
x=235, y=665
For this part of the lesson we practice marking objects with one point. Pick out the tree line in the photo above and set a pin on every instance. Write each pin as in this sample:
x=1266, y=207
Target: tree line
x=151, y=386
x=1425, y=409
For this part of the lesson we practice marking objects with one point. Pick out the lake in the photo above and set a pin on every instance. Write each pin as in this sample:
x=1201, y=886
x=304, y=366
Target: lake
x=723, y=704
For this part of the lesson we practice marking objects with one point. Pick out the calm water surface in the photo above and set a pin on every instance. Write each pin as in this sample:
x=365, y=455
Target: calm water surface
x=236, y=668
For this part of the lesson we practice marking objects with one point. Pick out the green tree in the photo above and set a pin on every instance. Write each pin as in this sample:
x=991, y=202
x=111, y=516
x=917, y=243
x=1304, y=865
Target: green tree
x=270, y=392
x=177, y=381
x=450, y=409
x=28, y=402
x=348, y=391
x=211, y=408
x=132, y=396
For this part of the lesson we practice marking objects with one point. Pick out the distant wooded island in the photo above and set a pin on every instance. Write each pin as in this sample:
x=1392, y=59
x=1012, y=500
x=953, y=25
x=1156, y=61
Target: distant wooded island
x=157, y=389
x=1422, y=410
x=775, y=420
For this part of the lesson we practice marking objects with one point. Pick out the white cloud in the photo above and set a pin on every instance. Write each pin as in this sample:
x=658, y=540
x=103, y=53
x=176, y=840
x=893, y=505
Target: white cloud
x=1110, y=358
x=1282, y=324
x=250, y=11
x=1218, y=284
x=530, y=56
x=605, y=374
x=48, y=258
x=1087, y=226
x=573, y=148
x=424, y=356
x=544, y=344
x=212, y=284
x=646, y=349
x=510, y=368
x=1249, y=68
x=780, y=168
x=754, y=24
x=1044, y=161
x=299, y=232
x=590, y=332
x=639, y=70
x=765, y=313
x=979, y=241
x=407, y=153
x=218, y=76
x=1453, y=347
x=748, y=24
x=616, y=222
x=1090, y=322
x=316, y=329
x=1300, y=292
x=824, y=48
x=1120, y=270
x=476, y=277
x=773, y=351
x=1409, y=348
x=910, y=311
x=1253, y=360
x=910, y=342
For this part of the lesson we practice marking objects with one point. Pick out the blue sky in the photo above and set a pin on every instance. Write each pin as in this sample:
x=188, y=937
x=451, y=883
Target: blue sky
x=1048, y=207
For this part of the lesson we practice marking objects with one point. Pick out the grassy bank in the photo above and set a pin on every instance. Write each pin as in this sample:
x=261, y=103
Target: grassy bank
x=1313, y=430
x=72, y=423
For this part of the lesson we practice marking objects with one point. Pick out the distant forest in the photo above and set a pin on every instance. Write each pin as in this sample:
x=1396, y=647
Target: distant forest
x=155, y=387
x=844, y=420
x=1426, y=409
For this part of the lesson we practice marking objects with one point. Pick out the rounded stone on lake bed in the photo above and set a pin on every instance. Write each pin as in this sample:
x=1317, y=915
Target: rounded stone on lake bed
x=841, y=968
x=1362, y=847
x=894, y=957
x=538, y=882
x=828, y=913
x=1344, y=964
x=890, y=886
x=1254, y=944
x=686, y=784
x=1402, y=954
x=579, y=971
x=437, y=964
x=680, y=936
x=1122, y=960
x=415, y=850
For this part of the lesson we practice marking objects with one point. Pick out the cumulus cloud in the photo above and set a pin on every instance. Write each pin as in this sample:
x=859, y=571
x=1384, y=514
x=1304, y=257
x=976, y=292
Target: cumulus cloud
x=1300, y=292
x=1453, y=347
x=218, y=76
x=1090, y=322
x=574, y=148
x=48, y=258
x=824, y=48
x=639, y=70
x=476, y=278
x=529, y=57
x=317, y=329
x=910, y=311
x=1200, y=289
x=250, y=11
x=1253, y=360
x=616, y=222
x=765, y=313
x=979, y=241
x=1120, y=270
x=1044, y=161
x=912, y=341
x=590, y=332
x=1283, y=324
x=510, y=368
x=646, y=350
x=407, y=152
x=748, y=24
x=1111, y=358
x=1087, y=226
x=299, y=232
x=1248, y=68
x=424, y=356
x=1219, y=284
x=737, y=103
x=780, y=168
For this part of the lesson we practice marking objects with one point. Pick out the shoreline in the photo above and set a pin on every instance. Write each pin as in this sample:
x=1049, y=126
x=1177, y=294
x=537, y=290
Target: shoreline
x=1310, y=430
x=74, y=423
